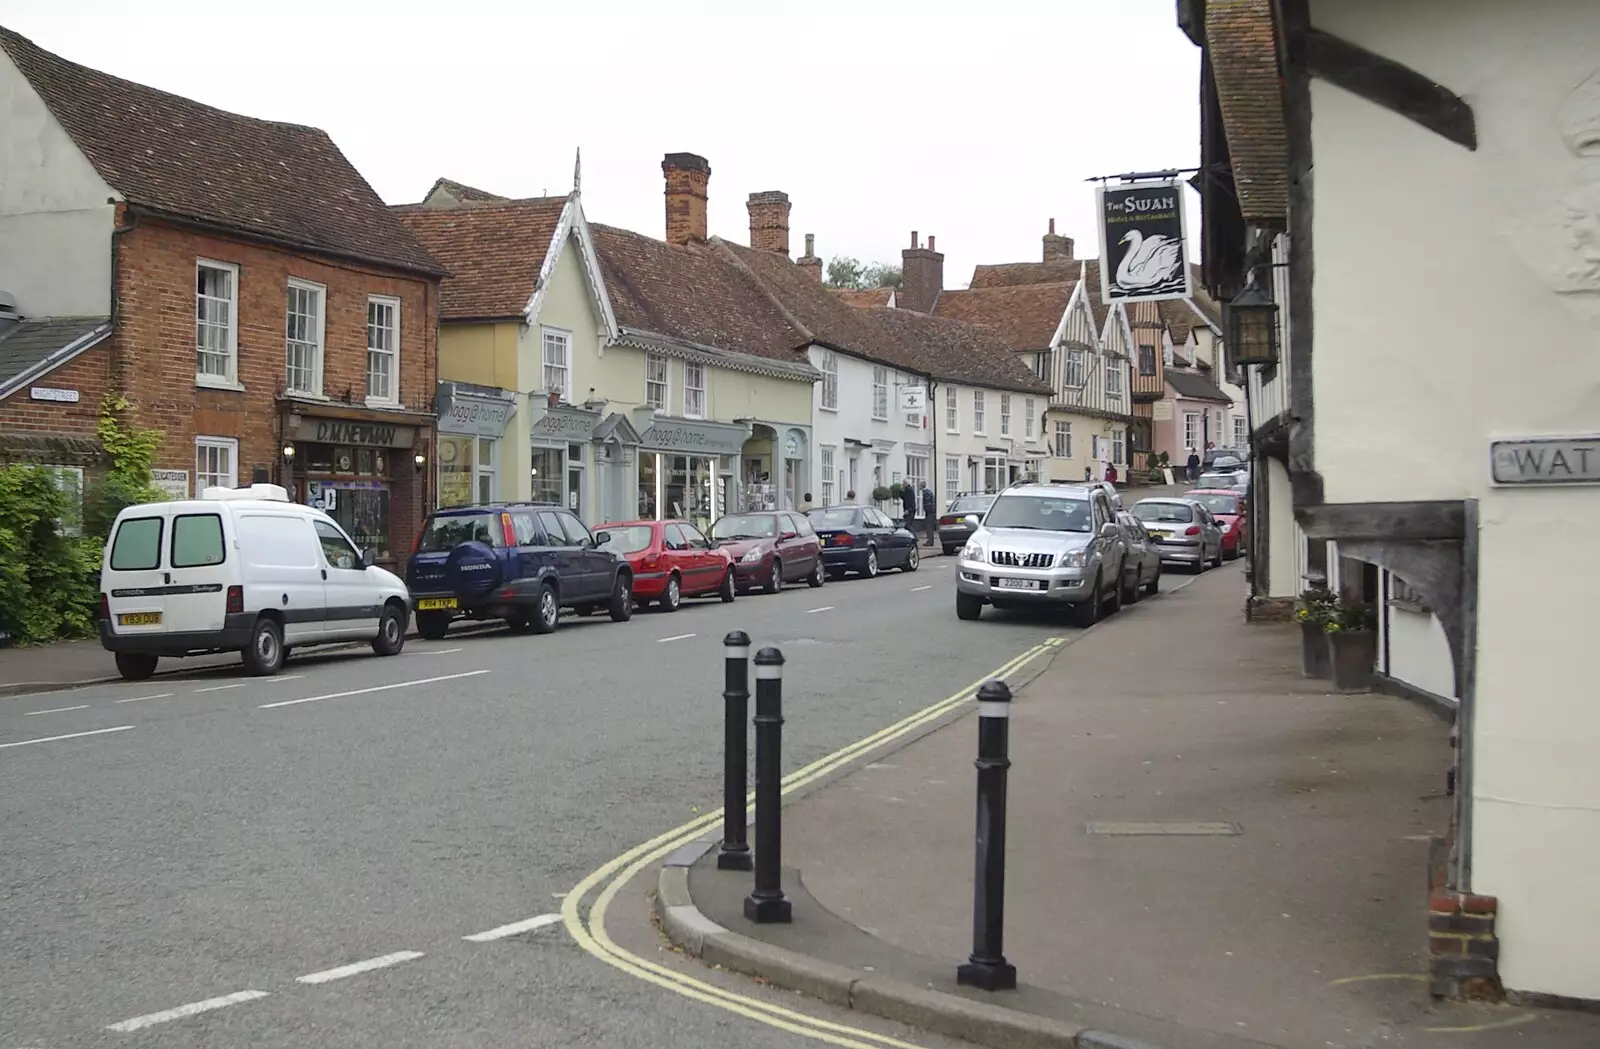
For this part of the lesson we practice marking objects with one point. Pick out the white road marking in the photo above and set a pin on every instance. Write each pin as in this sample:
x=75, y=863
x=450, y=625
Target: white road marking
x=824, y=608
x=357, y=968
x=70, y=735
x=916, y=588
x=219, y=688
x=141, y=699
x=278, y=680
x=435, y=652
x=192, y=1009
x=55, y=710
x=674, y=637
x=514, y=928
x=374, y=688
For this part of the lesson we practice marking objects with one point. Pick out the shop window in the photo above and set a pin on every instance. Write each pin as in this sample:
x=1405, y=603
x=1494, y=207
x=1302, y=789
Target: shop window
x=549, y=475
x=362, y=510
x=486, y=470
x=647, y=485
x=455, y=470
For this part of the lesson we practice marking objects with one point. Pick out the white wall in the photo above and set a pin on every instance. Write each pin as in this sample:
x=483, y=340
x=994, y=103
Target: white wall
x=55, y=222
x=1419, y=652
x=852, y=419
x=1286, y=557
x=1453, y=303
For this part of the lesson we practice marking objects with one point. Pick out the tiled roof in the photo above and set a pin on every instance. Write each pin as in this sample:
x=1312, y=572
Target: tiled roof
x=1196, y=387
x=1091, y=290
x=284, y=182
x=24, y=345
x=946, y=349
x=493, y=252
x=1180, y=317
x=1025, y=316
x=462, y=192
x=1012, y=274
x=864, y=297
x=695, y=293
x=1241, y=43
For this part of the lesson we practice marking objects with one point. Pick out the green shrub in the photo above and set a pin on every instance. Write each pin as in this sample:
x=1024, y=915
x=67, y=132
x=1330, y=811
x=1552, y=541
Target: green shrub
x=48, y=581
x=880, y=494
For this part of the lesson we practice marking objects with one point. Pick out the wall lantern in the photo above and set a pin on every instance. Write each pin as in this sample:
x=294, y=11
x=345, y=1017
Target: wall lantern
x=288, y=452
x=1252, y=327
x=420, y=460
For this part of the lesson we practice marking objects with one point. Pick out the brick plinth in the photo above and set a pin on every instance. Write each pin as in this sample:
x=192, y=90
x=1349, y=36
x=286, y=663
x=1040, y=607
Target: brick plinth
x=1463, y=951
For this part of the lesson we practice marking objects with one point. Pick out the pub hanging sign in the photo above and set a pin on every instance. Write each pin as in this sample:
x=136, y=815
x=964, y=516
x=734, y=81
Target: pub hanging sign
x=1141, y=242
x=358, y=434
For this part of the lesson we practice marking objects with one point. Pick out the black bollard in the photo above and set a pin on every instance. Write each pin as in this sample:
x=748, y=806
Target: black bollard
x=734, y=855
x=987, y=967
x=766, y=903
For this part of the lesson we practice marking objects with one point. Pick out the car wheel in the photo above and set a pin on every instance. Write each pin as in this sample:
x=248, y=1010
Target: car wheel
x=1130, y=594
x=871, y=571
x=775, y=581
x=1155, y=584
x=621, y=604
x=263, y=656
x=391, y=631
x=949, y=551
x=136, y=666
x=673, y=598
x=1088, y=613
x=968, y=606
x=1114, y=602
x=433, y=625
x=546, y=610
x=1218, y=562
x=913, y=559
x=818, y=575
x=519, y=624
x=727, y=591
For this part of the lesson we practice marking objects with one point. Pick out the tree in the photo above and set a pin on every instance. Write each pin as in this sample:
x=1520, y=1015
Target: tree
x=847, y=272
x=880, y=275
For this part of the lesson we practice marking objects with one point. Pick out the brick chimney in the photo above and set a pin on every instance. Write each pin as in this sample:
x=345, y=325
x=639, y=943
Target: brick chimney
x=687, y=175
x=769, y=221
x=1056, y=248
x=921, y=276
x=809, y=261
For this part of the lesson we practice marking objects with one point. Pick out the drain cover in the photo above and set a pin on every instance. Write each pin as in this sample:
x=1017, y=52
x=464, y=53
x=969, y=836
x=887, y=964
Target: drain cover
x=1187, y=830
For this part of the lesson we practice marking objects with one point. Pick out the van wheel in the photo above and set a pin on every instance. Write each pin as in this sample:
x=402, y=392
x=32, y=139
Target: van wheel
x=432, y=625
x=391, y=632
x=263, y=656
x=546, y=611
x=135, y=666
x=621, y=603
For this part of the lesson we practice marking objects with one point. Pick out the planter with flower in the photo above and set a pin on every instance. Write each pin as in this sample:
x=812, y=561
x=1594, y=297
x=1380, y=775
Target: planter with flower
x=1352, y=639
x=1316, y=607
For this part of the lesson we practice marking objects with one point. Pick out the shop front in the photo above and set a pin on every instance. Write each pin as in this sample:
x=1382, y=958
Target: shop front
x=559, y=439
x=472, y=421
x=688, y=468
x=775, y=462
x=367, y=471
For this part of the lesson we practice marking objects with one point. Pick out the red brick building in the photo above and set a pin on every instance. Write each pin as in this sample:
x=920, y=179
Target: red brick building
x=236, y=279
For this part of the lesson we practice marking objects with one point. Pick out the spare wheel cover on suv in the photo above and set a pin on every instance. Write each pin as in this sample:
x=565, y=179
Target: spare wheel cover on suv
x=472, y=571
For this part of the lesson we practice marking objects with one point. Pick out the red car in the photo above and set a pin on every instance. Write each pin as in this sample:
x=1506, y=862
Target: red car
x=671, y=560
x=1228, y=507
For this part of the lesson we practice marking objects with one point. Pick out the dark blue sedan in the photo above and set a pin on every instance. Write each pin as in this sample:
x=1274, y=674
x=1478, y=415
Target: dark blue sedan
x=862, y=539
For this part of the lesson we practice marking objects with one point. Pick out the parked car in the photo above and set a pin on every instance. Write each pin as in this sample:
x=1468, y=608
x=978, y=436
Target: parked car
x=862, y=539
x=1144, y=559
x=1111, y=492
x=1216, y=458
x=769, y=549
x=240, y=569
x=960, y=519
x=1230, y=480
x=671, y=560
x=1227, y=505
x=520, y=562
x=1045, y=544
x=1184, y=530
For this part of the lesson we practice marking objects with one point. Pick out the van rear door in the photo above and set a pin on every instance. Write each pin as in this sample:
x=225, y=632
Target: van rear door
x=197, y=554
x=132, y=578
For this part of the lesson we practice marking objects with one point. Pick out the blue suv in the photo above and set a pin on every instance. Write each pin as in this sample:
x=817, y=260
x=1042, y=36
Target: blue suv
x=520, y=562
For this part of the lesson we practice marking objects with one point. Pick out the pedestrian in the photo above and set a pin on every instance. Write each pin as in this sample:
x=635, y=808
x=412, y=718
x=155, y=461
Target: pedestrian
x=908, y=505
x=1111, y=472
x=850, y=497
x=1193, y=466
x=927, y=512
x=805, y=502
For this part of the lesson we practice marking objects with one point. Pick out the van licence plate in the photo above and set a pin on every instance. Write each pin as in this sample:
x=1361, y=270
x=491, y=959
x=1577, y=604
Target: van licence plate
x=138, y=618
x=428, y=604
x=1017, y=584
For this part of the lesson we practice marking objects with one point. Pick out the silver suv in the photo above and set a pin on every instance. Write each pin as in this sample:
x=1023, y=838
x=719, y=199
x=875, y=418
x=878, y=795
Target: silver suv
x=1045, y=545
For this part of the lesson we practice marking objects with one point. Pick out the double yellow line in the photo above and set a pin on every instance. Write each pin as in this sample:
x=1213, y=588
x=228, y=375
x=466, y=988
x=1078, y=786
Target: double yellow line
x=591, y=935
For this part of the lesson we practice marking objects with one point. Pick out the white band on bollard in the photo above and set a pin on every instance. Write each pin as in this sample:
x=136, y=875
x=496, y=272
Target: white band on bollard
x=768, y=673
x=738, y=651
x=994, y=710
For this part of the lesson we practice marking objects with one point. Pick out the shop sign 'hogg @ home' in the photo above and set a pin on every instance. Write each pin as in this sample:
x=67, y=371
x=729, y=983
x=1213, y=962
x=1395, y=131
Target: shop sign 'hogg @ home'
x=1141, y=242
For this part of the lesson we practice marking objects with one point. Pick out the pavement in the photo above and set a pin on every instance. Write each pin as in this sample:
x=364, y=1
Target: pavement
x=1207, y=851
x=376, y=853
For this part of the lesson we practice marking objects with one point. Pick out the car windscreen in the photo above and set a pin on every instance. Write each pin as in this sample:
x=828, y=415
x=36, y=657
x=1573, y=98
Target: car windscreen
x=627, y=539
x=839, y=517
x=1046, y=513
x=1218, y=504
x=1168, y=513
x=746, y=526
x=1227, y=480
x=448, y=531
x=971, y=504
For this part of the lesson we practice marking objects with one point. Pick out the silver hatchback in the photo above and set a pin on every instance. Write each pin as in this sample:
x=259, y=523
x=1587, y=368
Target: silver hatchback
x=1183, y=531
x=1047, y=545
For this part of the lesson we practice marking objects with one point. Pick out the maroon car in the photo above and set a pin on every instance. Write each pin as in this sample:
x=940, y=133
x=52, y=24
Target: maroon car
x=769, y=549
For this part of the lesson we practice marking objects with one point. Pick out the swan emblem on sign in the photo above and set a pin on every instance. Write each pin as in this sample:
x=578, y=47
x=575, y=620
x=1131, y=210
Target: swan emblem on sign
x=1151, y=264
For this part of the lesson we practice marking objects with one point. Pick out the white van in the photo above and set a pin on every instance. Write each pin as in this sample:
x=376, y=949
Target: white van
x=240, y=569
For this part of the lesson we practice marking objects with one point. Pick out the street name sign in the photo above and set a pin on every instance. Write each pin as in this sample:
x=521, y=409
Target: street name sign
x=1544, y=460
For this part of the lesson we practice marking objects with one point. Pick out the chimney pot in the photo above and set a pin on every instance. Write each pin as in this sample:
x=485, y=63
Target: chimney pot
x=930, y=242
x=914, y=239
x=811, y=243
x=769, y=221
x=1052, y=225
x=809, y=261
x=686, y=175
x=1057, y=248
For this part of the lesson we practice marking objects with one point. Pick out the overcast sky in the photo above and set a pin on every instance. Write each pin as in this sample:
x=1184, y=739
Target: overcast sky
x=976, y=122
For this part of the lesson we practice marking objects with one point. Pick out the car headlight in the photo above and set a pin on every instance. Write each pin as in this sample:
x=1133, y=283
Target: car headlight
x=1073, y=558
x=751, y=557
x=973, y=551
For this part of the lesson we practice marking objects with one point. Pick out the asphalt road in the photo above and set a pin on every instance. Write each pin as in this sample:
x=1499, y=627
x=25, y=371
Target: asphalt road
x=211, y=838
